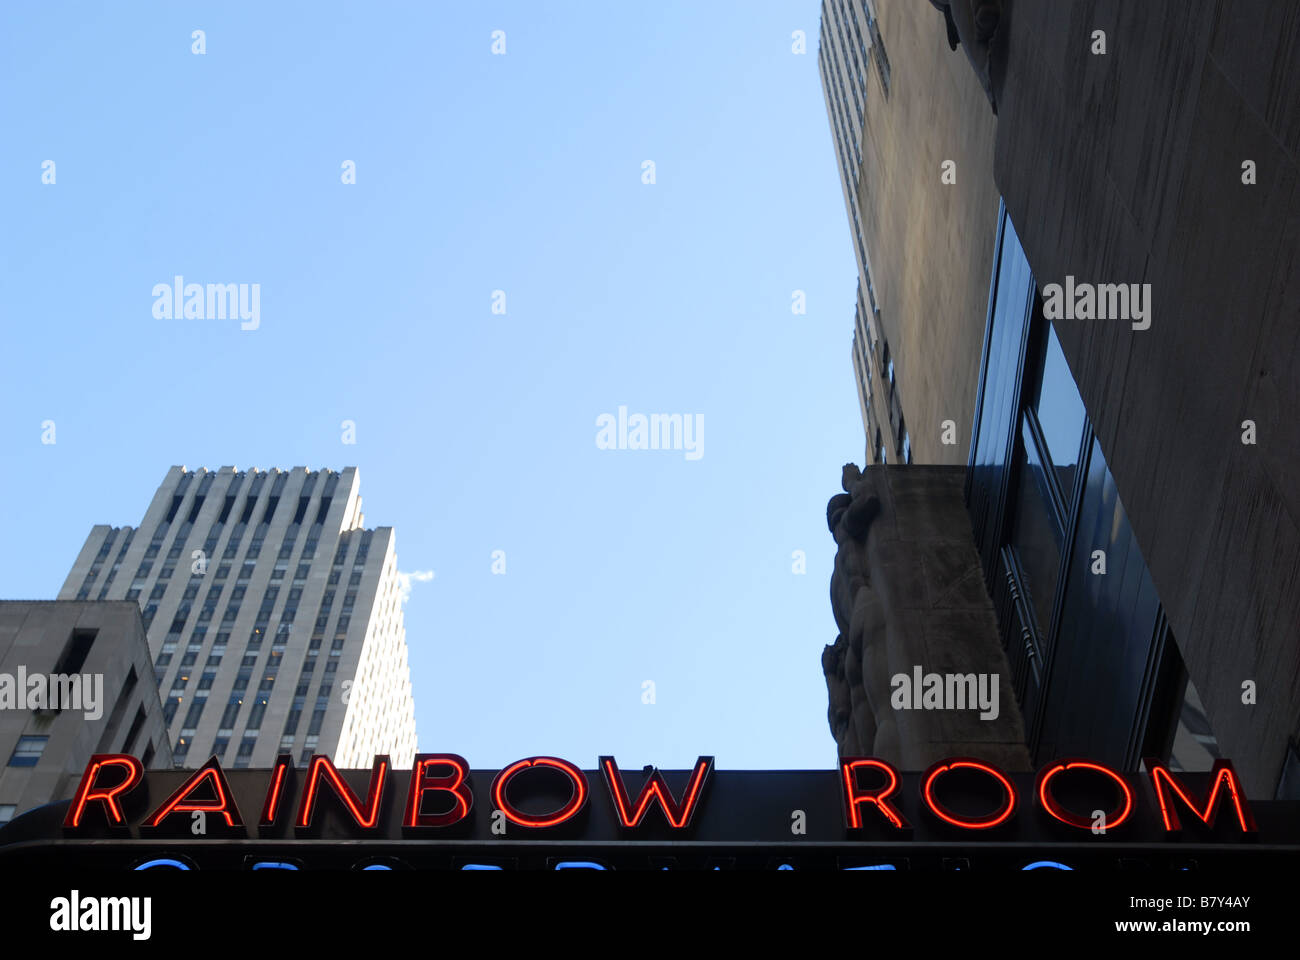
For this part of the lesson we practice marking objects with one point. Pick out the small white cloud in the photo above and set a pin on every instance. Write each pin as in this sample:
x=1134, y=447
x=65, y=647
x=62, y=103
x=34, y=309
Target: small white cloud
x=404, y=581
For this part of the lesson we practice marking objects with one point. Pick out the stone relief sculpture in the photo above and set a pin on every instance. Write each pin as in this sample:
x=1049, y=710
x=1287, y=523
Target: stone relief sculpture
x=907, y=593
x=855, y=665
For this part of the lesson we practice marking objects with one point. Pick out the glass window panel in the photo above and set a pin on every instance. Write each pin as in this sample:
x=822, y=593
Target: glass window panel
x=1035, y=534
x=1061, y=414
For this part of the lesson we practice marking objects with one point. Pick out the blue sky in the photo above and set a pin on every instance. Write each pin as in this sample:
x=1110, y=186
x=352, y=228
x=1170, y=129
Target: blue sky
x=475, y=431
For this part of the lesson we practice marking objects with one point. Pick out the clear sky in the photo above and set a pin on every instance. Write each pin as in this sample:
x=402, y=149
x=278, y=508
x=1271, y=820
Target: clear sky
x=475, y=431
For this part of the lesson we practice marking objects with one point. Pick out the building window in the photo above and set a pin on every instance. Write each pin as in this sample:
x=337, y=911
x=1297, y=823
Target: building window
x=219, y=746
x=194, y=713
x=291, y=724
x=245, y=753
x=1059, y=410
x=170, y=707
x=28, y=751
x=878, y=49
x=129, y=744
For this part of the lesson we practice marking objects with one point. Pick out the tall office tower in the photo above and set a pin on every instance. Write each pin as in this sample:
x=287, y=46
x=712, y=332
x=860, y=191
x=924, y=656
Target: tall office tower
x=71, y=686
x=913, y=137
x=274, y=619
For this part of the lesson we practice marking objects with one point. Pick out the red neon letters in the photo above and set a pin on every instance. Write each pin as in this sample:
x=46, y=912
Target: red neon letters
x=89, y=791
x=570, y=809
x=365, y=818
x=943, y=813
x=654, y=788
x=854, y=796
x=454, y=783
x=224, y=803
x=109, y=778
x=1223, y=777
x=1049, y=802
x=279, y=776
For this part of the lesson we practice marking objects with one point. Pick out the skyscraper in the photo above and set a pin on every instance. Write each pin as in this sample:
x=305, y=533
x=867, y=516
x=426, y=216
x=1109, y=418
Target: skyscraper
x=913, y=138
x=274, y=618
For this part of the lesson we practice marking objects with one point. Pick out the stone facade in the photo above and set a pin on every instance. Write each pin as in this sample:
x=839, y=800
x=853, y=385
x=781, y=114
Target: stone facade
x=913, y=135
x=34, y=637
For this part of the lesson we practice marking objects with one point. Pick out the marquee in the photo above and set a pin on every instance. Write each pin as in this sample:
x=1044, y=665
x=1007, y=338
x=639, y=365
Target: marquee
x=545, y=811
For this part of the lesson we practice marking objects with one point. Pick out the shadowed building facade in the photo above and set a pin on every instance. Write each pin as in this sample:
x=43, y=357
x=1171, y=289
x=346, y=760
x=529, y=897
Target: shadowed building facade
x=1132, y=461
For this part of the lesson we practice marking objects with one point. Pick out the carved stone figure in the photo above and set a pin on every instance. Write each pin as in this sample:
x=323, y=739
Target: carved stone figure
x=859, y=713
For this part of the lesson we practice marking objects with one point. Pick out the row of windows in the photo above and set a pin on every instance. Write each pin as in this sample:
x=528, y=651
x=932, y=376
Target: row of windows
x=182, y=534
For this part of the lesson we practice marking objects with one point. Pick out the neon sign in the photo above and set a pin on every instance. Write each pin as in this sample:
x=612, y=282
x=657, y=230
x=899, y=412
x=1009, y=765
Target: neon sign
x=987, y=799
